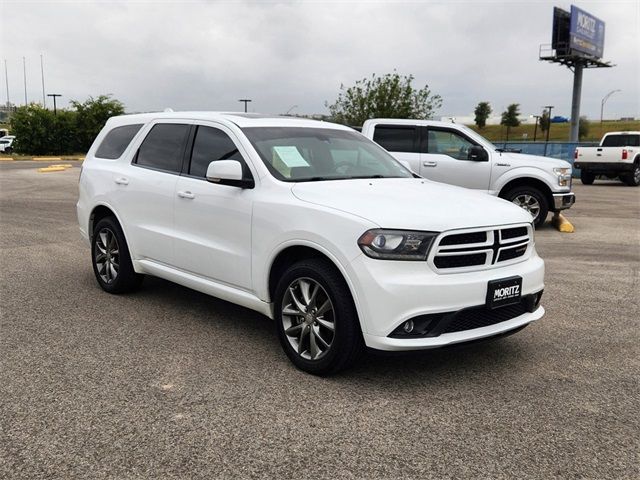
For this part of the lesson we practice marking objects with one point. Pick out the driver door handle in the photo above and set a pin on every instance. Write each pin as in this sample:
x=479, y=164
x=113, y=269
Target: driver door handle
x=186, y=194
x=122, y=181
x=429, y=163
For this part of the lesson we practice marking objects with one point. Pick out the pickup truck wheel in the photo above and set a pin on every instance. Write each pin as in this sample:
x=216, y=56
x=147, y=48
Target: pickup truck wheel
x=587, y=178
x=316, y=319
x=530, y=199
x=111, y=259
x=632, y=179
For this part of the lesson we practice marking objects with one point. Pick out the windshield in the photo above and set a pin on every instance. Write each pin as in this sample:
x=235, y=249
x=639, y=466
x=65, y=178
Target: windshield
x=298, y=154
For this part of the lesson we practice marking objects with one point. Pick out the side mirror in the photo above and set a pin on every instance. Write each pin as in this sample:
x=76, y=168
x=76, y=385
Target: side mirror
x=477, y=154
x=228, y=172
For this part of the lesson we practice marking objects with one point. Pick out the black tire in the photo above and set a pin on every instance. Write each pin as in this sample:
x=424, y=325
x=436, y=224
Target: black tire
x=632, y=179
x=8, y=150
x=117, y=255
x=586, y=177
x=346, y=342
x=515, y=194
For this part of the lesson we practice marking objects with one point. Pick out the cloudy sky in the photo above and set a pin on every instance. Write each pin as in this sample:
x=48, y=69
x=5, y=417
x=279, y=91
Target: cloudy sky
x=205, y=55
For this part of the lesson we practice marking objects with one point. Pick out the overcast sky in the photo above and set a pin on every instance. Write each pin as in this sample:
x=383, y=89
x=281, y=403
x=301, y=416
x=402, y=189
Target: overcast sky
x=205, y=55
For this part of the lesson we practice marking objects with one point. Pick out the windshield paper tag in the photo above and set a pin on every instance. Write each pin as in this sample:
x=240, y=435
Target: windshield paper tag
x=291, y=157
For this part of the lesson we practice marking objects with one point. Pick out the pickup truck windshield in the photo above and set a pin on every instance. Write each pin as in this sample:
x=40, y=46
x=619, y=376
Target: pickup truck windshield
x=298, y=154
x=621, y=141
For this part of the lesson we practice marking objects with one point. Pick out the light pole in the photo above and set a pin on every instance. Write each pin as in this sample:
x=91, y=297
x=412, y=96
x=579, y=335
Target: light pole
x=292, y=107
x=546, y=143
x=54, y=95
x=535, y=129
x=245, y=101
x=604, y=100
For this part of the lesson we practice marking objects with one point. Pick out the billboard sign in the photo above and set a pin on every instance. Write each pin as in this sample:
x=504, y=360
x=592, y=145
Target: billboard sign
x=586, y=33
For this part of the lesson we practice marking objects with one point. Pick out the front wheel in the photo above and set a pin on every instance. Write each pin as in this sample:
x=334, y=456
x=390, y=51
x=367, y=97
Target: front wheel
x=316, y=319
x=587, y=178
x=530, y=199
x=632, y=179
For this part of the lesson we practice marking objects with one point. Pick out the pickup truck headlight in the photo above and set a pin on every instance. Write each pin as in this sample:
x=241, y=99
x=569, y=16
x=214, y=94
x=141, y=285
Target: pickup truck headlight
x=564, y=176
x=396, y=244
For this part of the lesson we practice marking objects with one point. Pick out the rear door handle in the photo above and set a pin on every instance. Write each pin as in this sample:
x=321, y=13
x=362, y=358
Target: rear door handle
x=186, y=194
x=122, y=181
x=429, y=163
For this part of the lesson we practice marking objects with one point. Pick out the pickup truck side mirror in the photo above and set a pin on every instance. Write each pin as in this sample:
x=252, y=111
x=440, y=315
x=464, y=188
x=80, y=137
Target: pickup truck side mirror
x=228, y=172
x=478, y=154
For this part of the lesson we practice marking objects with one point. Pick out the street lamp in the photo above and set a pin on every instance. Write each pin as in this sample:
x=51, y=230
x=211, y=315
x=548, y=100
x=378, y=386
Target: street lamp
x=54, y=95
x=245, y=101
x=604, y=100
x=292, y=107
x=549, y=108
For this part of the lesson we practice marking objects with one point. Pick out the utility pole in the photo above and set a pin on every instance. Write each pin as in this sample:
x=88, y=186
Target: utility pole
x=549, y=108
x=54, y=95
x=24, y=72
x=6, y=81
x=245, y=101
x=535, y=129
x=44, y=98
x=604, y=100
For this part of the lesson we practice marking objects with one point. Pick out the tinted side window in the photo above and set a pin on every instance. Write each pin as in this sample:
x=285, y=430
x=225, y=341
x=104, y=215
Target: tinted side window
x=396, y=138
x=163, y=147
x=210, y=145
x=117, y=141
x=446, y=142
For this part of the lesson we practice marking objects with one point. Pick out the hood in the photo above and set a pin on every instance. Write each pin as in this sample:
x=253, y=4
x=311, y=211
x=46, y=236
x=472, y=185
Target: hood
x=411, y=203
x=523, y=160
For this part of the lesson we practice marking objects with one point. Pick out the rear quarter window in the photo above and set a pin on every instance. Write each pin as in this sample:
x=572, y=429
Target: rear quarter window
x=117, y=141
x=394, y=138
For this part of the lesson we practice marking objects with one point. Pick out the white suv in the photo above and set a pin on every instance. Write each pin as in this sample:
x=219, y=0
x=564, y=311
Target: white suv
x=311, y=224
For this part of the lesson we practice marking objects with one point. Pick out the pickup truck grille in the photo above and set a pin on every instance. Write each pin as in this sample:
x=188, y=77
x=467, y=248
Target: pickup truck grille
x=480, y=249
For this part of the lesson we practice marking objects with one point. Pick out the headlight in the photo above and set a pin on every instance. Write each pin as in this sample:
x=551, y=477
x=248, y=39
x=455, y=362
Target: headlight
x=564, y=176
x=396, y=244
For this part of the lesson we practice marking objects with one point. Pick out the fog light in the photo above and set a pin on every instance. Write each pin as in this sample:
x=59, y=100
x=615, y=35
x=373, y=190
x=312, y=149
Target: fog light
x=408, y=326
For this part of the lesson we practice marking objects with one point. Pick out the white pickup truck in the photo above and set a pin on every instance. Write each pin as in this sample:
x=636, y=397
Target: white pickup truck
x=618, y=155
x=454, y=154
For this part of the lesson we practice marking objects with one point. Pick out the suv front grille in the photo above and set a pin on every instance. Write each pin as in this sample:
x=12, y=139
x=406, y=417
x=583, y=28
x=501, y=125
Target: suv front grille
x=478, y=249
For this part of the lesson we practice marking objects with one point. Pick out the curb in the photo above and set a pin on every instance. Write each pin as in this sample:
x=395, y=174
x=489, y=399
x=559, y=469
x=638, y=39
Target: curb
x=562, y=224
x=52, y=168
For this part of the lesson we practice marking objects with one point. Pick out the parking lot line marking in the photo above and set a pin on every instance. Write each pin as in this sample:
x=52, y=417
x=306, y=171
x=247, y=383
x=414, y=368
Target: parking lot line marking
x=63, y=165
x=562, y=224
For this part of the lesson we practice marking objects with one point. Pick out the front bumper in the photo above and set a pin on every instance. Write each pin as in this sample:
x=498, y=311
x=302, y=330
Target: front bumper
x=562, y=201
x=390, y=292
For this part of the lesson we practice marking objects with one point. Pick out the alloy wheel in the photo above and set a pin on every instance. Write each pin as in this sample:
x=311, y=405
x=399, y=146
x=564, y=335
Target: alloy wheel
x=107, y=255
x=529, y=203
x=308, y=317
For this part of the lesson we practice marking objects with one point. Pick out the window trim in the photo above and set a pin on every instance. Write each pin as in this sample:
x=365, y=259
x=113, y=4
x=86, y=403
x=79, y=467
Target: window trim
x=424, y=140
x=415, y=147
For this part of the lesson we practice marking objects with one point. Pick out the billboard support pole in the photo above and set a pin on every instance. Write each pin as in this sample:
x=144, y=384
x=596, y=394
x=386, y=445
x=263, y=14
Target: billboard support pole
x=575, y=102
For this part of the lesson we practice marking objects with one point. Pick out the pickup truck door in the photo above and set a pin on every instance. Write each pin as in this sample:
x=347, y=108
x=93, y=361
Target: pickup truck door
x=445, y=159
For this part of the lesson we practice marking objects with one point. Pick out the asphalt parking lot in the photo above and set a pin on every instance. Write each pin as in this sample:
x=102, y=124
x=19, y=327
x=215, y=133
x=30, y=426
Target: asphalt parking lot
x=170, y=383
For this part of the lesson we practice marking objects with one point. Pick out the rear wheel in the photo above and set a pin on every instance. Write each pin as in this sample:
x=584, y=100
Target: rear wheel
x=530, y=199
x=587, y=178
x=111, y=259
x=632, y=179
x=316, y=319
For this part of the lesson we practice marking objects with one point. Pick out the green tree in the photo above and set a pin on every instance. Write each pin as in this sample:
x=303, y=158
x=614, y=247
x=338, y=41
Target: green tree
x=39, y=132
x=92, y=114
x=583, y=128
x=510, y=117
x=389, y=96
x=482, y=112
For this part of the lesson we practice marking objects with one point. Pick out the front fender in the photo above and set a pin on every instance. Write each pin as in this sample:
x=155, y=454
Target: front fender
x=503, y=178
